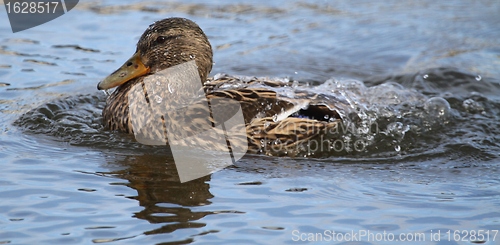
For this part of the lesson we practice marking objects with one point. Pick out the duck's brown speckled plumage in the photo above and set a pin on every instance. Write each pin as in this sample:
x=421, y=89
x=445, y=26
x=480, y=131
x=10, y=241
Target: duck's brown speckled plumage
x=174, y=41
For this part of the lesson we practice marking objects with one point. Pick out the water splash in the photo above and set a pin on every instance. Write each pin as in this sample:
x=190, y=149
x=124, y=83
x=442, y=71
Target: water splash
x=379, y=117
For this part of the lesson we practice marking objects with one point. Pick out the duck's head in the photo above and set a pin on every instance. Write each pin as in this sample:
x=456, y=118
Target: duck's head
x=164, y=44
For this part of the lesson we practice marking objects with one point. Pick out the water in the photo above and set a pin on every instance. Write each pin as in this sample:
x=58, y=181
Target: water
x=66, y=180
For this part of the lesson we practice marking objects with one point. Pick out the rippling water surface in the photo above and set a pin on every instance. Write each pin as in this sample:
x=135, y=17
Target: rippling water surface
x=425, y=73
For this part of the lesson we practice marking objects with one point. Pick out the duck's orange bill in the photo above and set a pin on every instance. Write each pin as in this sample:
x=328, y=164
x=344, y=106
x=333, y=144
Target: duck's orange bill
x=132, y=68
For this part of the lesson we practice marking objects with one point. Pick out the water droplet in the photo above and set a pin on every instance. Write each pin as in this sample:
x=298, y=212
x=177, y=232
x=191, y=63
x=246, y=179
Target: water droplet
x=437, y=106
x=158, y=99
x=275, y=117
x=192, y=56
x=478, y=78
x=170, y=90
x=327, y=117
x=158, y=83
x=472, y=106
x=425, y=76
x=296, y=72
x=397, y=148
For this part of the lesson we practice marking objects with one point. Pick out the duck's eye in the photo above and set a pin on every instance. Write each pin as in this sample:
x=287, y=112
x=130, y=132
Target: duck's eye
x=161, y=39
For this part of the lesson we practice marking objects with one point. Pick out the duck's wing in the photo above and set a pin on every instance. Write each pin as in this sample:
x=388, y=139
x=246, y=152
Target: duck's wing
x=276, y=99
x=256, y=103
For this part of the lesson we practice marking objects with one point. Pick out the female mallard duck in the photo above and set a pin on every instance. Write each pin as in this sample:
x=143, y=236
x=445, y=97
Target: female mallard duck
x=279, y=118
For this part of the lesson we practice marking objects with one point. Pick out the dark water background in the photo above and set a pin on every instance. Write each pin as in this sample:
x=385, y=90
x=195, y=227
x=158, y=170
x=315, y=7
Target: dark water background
x=66, y=180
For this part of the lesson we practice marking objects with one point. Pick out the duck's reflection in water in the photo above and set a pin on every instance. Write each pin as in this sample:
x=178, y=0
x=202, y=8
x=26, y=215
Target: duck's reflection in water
x=164, y=198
